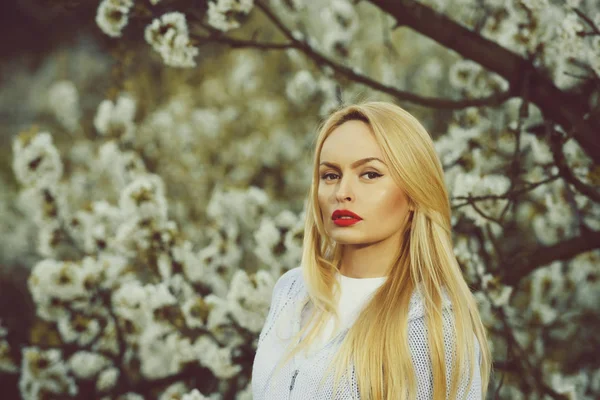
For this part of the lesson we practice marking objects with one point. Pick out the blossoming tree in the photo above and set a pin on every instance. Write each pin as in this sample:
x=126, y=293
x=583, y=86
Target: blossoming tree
x=161, y=231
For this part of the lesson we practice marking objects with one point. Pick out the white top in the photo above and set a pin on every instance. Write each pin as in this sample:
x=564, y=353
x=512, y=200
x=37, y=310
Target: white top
x=299, y=378
x=354, y=295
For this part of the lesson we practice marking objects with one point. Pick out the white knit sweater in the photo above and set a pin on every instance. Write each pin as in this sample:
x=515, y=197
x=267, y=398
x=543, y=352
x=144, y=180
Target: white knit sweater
x=355, y=293
x=299, y=379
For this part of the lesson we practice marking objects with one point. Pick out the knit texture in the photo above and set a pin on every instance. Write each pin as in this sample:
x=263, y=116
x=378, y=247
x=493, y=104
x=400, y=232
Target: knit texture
x=355, y=294
x=299, y=378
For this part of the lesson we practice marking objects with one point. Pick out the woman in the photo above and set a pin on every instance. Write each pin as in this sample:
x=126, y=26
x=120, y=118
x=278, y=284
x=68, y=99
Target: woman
x=379, y=298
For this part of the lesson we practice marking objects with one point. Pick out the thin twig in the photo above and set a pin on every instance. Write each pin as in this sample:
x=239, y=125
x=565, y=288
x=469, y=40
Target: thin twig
x=559, y=158
x=588, y=20
x=506, y=196
x=359, y=77
x=239, y=43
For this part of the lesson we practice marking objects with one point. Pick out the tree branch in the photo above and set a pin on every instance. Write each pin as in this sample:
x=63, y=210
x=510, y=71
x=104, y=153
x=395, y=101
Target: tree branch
x=556, y=144
x=509, y=195
x=358, y=77
x=524, y=262
x=239, y=43
x=567, y=109
x=588, y=20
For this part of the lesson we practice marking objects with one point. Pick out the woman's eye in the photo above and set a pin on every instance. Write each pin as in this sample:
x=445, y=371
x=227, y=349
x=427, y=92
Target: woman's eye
x=324, y=176
x=372, y=175
x=375, y=175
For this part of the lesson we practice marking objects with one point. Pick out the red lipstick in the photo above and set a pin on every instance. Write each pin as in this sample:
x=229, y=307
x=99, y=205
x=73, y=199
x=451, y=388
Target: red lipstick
x=350, y=218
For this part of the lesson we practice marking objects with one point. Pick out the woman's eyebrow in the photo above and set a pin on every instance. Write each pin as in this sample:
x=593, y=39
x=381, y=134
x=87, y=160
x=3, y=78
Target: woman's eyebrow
x=355, y=164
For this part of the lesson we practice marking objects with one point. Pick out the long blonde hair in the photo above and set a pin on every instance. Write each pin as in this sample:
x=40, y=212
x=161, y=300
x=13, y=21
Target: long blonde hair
x=425, y=260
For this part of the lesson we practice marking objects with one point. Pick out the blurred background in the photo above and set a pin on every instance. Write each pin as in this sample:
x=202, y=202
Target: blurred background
x=155, y=157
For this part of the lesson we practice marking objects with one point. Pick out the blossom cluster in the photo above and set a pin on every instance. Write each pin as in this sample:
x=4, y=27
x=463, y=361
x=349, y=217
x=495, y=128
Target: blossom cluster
x=224, y=14
x=162, y=232
x=113, y=15
x=102, y=304
x=168, y=35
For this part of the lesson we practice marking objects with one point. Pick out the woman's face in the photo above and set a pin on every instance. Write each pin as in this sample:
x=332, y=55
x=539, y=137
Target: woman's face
x=367, y=189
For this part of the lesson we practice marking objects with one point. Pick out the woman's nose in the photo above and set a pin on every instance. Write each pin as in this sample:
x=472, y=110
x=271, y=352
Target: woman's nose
x=344, y=190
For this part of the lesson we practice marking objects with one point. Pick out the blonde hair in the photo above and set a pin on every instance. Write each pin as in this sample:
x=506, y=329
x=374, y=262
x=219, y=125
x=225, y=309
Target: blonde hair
x=425, y=260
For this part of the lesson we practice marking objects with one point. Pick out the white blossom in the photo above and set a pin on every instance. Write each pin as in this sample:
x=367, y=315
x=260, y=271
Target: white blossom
x=193, y=268
x=222, y=14
x=45, y=370
x=116, y=119
x=49, y=236
x=121, y=167
x=341, y=16
x=454, y=143
x=180, y=287
x=63, y=100
x=243, y=75
x=337, y=42
x=502, y=29
x=113, y=15
x=329, y=91
x=128, y=304
x=85, y=364
x=267, y=236
x=151, y=215
x=45, y=204
x=215, y=358
x=144, y=198
x=584, y=274
x=107, y=379
x=576, y=158
x=462, y=73
x=36, y=161
x=242, y=205
x=301, y=88
x=498, y=293
x=540, y=151
x=158, y=296
x=549, y=227
x=207, y=121
x=169, y=36
x=291, y=5
x=535, y=4
x=219, y=312
x=571, y=386
x=138, y=234
x=95, y=228
x=162, y=353
x=52, y=282
x=249, y=299
x=474, y=185
x=195, y=312
x=107, y=341
x=78, y=329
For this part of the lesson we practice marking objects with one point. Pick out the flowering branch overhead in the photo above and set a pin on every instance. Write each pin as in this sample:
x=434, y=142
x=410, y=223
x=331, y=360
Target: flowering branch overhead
x=525, y=261
x=163, y=221
x=358, y=77
x=568, y=110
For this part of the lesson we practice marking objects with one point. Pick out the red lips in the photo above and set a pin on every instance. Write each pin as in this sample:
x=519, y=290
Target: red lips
x=344, y=213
